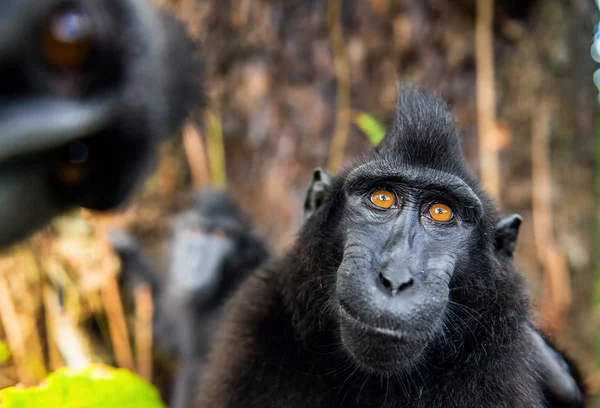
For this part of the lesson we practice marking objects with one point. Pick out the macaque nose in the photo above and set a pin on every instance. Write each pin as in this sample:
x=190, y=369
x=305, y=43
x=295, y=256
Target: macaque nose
x=395, y=283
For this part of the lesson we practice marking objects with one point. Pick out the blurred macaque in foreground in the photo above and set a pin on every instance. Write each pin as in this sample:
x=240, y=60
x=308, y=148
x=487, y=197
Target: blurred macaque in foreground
x=88, y=88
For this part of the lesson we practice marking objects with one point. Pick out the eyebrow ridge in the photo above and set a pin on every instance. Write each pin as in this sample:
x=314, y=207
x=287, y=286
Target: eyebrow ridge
x=436, y=179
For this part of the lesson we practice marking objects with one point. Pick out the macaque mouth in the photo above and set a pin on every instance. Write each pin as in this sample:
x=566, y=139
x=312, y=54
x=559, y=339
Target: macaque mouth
x=380, y=350
x=399, y=335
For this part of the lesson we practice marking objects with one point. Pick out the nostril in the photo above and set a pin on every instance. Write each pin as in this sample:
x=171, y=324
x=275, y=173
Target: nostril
x=406, y=285
x=395, y=287
x=386, y=283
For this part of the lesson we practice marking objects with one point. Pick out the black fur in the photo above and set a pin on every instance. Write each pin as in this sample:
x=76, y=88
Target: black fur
x=562, y=384
x=574, y=395
x=280, y=342
x=204, y=270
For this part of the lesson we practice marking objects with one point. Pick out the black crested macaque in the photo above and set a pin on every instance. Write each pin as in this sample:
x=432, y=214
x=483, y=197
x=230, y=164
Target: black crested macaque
x=561, y=382
x=393, y=295
x=212, y=252
x=87, y=90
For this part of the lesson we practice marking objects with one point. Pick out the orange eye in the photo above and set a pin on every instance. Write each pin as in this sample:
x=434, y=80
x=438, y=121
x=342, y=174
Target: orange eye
x=67, y=39
x=383, y=199
x=441, y=212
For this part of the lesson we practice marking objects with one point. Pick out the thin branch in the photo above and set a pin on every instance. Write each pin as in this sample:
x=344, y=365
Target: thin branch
x=342, y=74
x=196, y=156
x=216, y=150
x=116, y=321
x=69, y=339
x=486, y=98
x=52, y=313
x=550, y=255
x=144, y=310
x=22, y=337
x=14, y=332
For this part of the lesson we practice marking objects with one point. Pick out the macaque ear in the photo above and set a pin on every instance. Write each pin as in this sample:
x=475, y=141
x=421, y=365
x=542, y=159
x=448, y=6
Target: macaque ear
x=317, y=192
x=507, y=232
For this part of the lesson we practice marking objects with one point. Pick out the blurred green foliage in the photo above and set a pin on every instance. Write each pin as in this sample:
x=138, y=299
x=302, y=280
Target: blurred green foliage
x=96, y=386
x=370, y=127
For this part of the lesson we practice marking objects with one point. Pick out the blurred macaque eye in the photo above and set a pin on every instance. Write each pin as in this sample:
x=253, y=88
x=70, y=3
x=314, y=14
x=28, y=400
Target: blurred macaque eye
x=66, y=41
x=441, y=212
x=383, y=199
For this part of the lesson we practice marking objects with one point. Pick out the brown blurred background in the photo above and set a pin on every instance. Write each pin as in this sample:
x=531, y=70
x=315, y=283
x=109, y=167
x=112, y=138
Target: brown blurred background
x=285, y=80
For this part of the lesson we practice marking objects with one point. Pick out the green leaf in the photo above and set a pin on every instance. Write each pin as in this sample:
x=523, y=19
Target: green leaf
x=96, y=386
x=370, y=127
x=4, y=352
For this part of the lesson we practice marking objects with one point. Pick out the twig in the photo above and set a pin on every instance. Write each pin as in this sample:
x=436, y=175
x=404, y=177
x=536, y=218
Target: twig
x=196, y=156
x=143, y=330
x=14, y=333
x=116, y=322
x=52, y=311
x=486, y=98
x=342, y=74
x=216, y=150
x=66, y=336
x=550, y=255
x=35, y=355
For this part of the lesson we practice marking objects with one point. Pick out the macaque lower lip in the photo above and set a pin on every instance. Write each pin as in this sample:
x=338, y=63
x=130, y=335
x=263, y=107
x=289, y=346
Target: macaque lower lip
x=397, y=334
x=34, y=126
